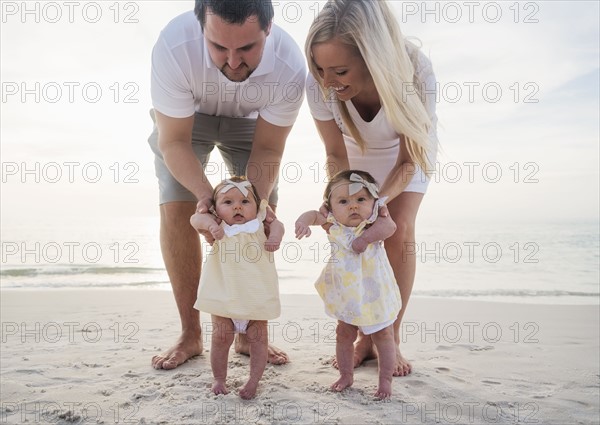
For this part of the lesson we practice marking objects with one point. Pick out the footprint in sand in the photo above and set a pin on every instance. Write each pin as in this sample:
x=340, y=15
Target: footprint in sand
x=414, y=383
x=477, y=348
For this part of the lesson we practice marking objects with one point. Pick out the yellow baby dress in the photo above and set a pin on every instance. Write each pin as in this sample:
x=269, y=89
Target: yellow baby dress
x=239, y=280
x=358, y=289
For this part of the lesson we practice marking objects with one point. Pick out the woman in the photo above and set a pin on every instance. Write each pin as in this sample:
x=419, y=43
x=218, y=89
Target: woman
x=372, y=95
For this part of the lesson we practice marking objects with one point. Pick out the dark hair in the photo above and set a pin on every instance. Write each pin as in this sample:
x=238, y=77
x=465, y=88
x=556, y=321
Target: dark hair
x=341, y=176
x=236, y=11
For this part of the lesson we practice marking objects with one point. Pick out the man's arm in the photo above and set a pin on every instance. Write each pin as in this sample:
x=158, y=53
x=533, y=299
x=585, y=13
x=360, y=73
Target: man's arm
x=175, y=144
x=265, y=158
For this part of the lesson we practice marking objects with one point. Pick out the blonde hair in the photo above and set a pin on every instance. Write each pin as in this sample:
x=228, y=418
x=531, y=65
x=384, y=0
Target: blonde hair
x=370, y=28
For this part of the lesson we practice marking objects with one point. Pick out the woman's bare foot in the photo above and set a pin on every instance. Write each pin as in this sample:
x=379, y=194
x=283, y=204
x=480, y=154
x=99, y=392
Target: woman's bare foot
x=275, y=355
x=403, y=366
x=187, y=346
x=363, y=351
x=344, y=382
x=219, y=387
x=248, y=391
x=384, y=390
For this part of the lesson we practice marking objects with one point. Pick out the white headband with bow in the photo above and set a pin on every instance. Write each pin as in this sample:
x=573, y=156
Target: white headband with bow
x=358, y=183
x=241, y=186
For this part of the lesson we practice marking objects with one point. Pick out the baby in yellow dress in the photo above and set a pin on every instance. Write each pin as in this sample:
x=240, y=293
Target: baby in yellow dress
x=239, y=285
x=357, y=285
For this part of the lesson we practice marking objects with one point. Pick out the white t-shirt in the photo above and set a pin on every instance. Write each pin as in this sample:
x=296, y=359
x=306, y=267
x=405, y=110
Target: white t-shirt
x=382, y=141
x=185, y=80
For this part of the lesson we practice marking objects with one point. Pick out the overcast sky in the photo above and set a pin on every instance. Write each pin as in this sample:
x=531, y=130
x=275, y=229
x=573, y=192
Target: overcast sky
x=518, y=108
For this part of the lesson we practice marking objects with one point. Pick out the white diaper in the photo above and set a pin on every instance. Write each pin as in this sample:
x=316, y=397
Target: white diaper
x=371, y=329
x=240, y=326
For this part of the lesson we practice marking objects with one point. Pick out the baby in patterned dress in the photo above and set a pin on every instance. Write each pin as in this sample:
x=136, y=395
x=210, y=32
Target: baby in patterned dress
x=357, y=285
x=239, y=286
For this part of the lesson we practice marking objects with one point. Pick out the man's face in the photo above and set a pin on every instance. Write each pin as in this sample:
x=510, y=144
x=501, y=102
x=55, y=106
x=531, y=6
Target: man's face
x=235, y=49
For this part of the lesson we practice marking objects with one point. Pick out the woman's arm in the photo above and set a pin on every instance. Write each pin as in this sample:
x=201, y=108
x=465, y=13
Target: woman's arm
x=381, y=229
x=335, y=149
x=400, y=175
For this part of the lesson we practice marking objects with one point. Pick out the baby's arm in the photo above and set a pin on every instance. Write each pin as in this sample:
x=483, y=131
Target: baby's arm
x=309, y=218
x=276, y=231
x=206, y=222
x=381, y=229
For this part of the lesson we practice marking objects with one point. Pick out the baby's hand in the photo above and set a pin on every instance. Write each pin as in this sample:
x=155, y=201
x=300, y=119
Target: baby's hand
x=302, y=230
x=207, y=225
x=359, y=245
x=216, y=232
x=272, y=245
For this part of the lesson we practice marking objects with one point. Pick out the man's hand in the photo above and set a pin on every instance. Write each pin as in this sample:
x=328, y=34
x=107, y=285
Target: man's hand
x=203, y=206
x=270, y=215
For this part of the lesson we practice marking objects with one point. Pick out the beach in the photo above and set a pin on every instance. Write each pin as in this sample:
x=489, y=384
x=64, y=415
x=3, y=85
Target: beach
x=83, y=356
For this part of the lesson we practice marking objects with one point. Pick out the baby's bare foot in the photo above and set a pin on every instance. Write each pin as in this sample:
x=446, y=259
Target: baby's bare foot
x=219, y=387
x=385, y=388
x=344, y=382
x=248, y=391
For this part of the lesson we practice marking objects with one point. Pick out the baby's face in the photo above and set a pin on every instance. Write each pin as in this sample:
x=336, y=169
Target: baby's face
x=351, y=210
x=235, y=208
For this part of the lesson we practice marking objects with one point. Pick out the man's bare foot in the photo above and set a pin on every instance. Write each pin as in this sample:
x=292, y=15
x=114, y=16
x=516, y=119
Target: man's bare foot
x=403, y=366
x=276, y=356
x=344, y=382
x=363, y=350
x=186, y=347
x=219, y=387
x=248, y=391
x=384, y=390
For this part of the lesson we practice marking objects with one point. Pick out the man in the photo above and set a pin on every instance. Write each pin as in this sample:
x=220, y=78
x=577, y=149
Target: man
x=223, y=76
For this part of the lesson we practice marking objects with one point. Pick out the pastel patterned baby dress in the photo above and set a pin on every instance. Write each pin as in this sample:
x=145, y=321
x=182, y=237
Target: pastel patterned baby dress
x=358, y=289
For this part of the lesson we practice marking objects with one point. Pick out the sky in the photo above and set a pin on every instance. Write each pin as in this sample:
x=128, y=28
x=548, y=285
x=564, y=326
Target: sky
x=518, y=110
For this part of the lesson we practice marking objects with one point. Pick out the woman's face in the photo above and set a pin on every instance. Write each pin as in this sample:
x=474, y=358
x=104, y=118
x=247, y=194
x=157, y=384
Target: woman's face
x=342, y=69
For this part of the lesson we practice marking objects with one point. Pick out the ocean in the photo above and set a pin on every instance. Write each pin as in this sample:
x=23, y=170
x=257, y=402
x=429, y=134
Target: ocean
x=550, y=263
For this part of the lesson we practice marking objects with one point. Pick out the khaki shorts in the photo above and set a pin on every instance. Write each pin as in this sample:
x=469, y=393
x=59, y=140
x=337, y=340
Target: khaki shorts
x=232, y=136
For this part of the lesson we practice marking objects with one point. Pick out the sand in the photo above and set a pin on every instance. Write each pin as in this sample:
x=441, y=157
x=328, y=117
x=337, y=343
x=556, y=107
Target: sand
x=83, y=356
